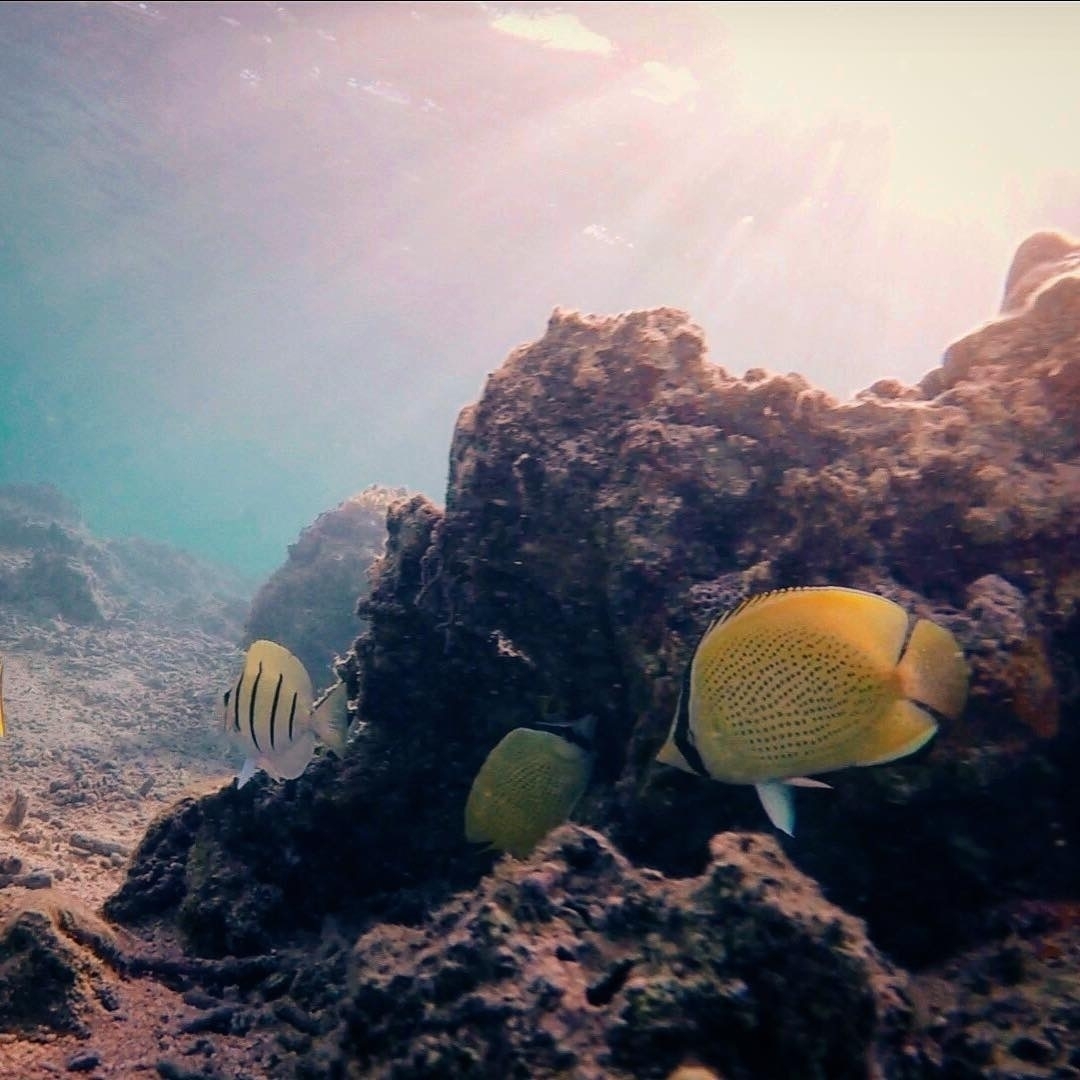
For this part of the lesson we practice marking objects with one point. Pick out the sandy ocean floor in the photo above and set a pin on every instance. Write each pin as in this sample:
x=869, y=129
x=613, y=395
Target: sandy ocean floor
x=105, y=729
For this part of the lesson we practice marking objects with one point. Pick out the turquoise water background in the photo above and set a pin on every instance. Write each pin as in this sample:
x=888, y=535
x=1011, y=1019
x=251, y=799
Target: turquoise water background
x=255, y=257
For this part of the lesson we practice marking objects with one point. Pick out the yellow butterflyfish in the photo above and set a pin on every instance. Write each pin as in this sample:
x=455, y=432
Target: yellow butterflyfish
x=529, y=784
x=809, y=680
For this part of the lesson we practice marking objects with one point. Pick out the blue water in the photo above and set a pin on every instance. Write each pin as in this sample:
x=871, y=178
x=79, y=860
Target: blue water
x=255, y=257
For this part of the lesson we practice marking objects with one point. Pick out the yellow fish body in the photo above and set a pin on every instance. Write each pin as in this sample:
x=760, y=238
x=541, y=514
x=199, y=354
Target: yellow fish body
x=529, y=784
x=809, y=680
x=271, y=713
x=2, y=727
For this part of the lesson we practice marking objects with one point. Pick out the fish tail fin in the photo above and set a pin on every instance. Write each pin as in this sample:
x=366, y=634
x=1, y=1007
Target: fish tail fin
x=330, y=718
x=2, y=728
x=932, y=670
x=903, y=730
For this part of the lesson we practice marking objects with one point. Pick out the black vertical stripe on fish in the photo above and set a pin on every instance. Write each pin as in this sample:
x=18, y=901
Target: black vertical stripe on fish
x=292, y=713
x=912, y=622
x=236, y=703
x=273, y=707
x=251, y=708
x=682, y=737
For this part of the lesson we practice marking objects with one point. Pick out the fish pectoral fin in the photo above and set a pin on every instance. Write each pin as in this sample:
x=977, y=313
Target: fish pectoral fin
x=775, y=796
x=904, y=729
x=805, y=781
x=250, y=768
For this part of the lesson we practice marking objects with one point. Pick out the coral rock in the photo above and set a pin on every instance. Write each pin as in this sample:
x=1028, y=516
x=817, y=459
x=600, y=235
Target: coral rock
x=309, y=604
x=609, y=493
x=745, y=969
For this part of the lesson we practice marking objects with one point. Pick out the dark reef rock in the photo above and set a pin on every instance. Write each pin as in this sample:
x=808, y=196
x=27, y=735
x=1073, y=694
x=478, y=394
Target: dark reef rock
x=610, y=491
x=50, y=978
x=576, y=964
x=52, y=566
x=1010, y=1008
x=309, y=604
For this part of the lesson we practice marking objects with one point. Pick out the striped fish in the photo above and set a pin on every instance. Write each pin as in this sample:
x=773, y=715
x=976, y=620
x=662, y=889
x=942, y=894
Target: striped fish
x=271, y=713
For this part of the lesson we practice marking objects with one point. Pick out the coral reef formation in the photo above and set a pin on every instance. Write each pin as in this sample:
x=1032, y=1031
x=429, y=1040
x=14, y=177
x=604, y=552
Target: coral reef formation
x=610, y=492
x=577, y=964
x=49, y=978
x=309, y=604
x=1039, y=260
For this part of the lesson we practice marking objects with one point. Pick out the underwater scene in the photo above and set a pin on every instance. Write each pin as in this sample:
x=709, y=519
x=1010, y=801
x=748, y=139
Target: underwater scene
x=539, y=541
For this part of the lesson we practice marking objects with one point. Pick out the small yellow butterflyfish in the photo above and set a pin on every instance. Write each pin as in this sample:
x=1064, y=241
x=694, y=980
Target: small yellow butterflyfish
x=529, y=784
x=809, y=680
x=271, y=713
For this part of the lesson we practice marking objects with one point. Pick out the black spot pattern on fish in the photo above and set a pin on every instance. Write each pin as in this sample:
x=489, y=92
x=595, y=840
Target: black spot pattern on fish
x=788, y=694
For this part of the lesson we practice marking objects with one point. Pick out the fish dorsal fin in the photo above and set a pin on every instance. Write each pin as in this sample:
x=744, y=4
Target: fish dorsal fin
x=766, y=597
x=277, y=658
x=878, y=625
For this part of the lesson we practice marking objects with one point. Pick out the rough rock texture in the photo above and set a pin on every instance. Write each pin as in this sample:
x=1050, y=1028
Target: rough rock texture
x=609, y=492
x=50, y=978
x=1010, y=1009
x=51, y=566
x=577, y=964
x=309, y=604
x=1039, y=259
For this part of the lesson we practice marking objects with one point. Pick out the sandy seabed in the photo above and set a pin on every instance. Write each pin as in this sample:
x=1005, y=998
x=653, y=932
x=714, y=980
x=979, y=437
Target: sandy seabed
x=106, y=727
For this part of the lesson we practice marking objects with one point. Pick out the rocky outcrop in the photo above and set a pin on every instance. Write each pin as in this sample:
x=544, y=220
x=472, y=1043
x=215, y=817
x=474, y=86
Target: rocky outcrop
x=609, y=492
x=577, y=964
x=1039, y=259
x=51, y=978
x=52, y=566
x=612, y=490
x=1010, y=1009
x=309, y=604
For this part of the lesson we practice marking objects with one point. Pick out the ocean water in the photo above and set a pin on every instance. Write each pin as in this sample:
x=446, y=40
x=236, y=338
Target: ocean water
x=255, y=257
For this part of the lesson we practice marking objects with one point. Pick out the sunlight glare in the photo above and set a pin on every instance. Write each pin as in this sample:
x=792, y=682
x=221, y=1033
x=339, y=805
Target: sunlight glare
x=553, y=30
x=976, y=102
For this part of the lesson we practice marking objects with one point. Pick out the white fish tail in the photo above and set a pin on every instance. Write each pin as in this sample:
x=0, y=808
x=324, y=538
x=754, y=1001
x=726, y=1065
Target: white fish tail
x=330, y=718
